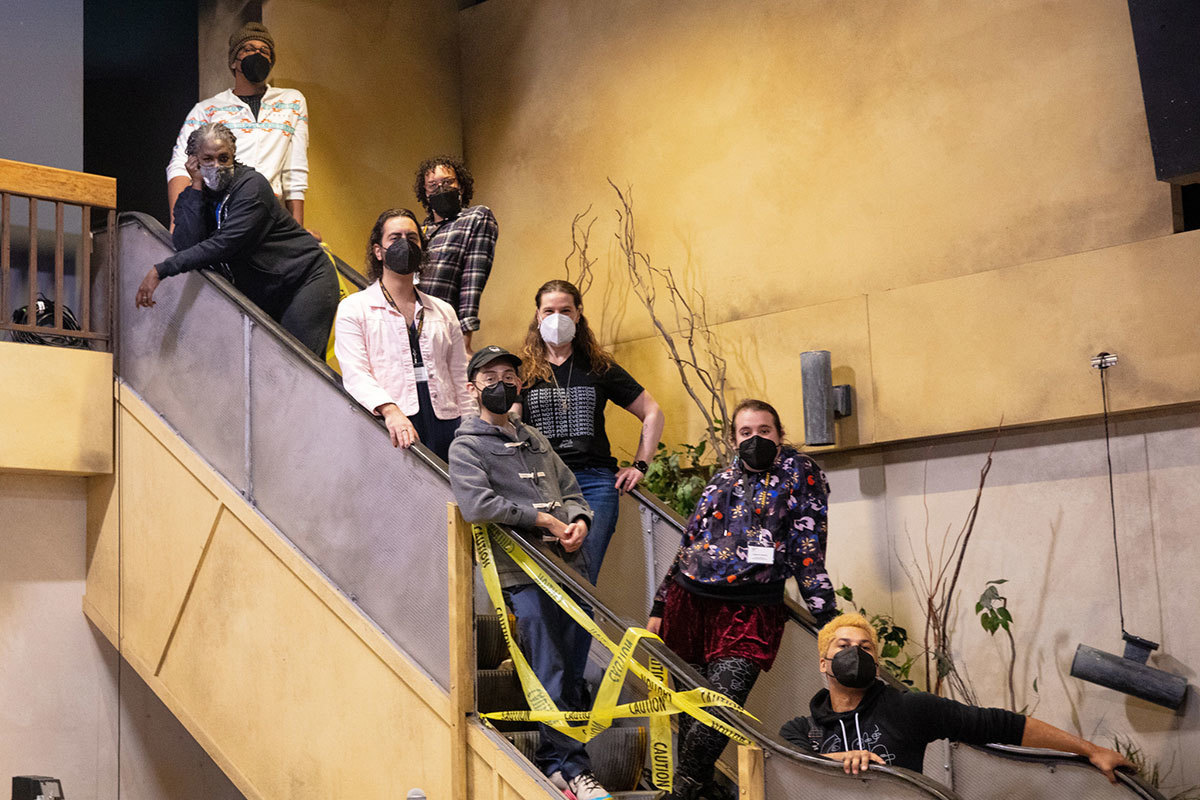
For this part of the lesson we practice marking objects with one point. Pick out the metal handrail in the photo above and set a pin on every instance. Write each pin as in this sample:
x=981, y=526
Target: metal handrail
x=800, y=616
x=553, y=566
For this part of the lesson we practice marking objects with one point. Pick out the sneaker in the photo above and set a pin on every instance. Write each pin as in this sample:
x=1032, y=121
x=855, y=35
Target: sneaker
x=585, y=787
x=560, y=783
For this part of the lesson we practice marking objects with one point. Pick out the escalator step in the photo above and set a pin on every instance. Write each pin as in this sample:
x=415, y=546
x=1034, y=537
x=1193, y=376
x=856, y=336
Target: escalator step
x=500, y=690
x=618, y=755
x=490, y=648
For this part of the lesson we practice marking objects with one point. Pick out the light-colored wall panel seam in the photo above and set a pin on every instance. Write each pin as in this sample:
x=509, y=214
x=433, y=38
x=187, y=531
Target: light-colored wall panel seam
x=187, y=595
x=422, y=685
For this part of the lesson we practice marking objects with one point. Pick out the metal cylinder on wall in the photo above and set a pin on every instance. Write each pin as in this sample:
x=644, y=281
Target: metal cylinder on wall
x=816, y=377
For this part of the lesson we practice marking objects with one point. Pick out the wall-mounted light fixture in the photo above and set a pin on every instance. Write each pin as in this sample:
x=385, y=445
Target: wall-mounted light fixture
x=823, y=402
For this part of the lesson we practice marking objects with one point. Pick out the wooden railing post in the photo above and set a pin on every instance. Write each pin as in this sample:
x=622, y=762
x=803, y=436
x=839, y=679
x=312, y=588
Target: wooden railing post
x=462, y=644
x=751, y=776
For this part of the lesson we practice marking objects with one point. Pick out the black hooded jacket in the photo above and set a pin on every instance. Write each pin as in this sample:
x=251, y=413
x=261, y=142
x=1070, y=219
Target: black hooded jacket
x=263, y=250
x=898, y=725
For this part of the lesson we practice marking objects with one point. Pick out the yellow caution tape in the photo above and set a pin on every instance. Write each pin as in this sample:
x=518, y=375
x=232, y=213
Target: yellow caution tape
x=661, y=703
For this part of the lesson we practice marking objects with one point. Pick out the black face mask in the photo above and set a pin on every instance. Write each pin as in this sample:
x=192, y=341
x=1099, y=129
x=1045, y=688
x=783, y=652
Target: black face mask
x=256, y=67
x=499, y=397
x=402, y=257
x=446, y=204
x=758, y=453
x=854, y=668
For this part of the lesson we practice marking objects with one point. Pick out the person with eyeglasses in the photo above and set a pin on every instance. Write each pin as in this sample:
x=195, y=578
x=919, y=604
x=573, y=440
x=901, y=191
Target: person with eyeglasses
x=462, y=238
x=401, y=351
x=503, y=471
x=270, y=123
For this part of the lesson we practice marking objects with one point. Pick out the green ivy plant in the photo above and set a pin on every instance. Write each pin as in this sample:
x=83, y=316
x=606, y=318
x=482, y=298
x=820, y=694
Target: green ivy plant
x=892, y=639
x=678, y=475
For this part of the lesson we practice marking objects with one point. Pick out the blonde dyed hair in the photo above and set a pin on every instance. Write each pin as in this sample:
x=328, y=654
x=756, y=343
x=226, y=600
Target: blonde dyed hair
x=850, y=620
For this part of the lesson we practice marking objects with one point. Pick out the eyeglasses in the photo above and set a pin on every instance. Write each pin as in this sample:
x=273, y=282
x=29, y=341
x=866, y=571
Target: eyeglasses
x=247, y=49
x=437, y=187
x=492, y=380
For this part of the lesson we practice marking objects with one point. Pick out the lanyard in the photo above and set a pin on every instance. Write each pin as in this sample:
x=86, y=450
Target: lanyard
x=420, y=311
x=420, y=320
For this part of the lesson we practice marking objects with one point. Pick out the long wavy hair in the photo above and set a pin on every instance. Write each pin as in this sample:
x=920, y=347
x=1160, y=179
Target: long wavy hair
x=533, y=355
x=374, y=265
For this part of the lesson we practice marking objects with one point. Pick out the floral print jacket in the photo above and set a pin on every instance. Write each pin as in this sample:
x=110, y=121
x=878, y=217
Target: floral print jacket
x=752, y=530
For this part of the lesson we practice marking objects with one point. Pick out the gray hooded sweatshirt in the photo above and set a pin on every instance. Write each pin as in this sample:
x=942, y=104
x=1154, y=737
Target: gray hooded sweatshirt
x=497, y=477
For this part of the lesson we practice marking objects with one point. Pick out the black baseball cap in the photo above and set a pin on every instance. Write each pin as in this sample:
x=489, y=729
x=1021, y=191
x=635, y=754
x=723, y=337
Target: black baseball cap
x=486, y=355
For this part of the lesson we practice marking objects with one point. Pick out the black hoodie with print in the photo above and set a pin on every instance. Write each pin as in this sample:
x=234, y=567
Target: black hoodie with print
x=898, y=725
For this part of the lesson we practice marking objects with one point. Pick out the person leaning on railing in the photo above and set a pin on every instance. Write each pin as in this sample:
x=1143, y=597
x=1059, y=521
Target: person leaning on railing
x=860, y=720
x=505, y=472
x=721, y=606
x=228, y=219
x=400, y=350
x=569, y=380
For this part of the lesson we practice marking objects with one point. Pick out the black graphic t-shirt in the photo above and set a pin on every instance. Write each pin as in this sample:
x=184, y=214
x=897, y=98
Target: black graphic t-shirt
x=570, y=413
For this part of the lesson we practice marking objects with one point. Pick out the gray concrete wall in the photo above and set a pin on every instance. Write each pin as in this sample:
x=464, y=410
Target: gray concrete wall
x=41, y=82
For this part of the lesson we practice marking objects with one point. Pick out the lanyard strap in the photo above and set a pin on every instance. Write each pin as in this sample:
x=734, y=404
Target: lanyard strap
x=420, y=319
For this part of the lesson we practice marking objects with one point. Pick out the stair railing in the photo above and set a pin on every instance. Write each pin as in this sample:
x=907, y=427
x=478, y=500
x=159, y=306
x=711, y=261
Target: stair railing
x=33, y=184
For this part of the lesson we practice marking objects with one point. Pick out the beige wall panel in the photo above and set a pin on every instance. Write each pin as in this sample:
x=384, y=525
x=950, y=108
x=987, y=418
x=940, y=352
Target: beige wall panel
x=56, y=403
x=763, y=355
x=1015, y=343
x=103, y=541
x=60, y=708
x=499, y=772
x=801, y=151
x=168, y=517
x=265, y=669
x=381, y=80
x=1044, y=526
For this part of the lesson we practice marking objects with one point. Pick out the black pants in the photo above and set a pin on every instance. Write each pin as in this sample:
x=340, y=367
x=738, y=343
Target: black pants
x=304, y=308
x=699, y=745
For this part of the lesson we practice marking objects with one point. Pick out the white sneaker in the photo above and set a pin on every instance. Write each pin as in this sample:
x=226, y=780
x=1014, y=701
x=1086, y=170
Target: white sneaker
x=560, y=783
x=585, y=787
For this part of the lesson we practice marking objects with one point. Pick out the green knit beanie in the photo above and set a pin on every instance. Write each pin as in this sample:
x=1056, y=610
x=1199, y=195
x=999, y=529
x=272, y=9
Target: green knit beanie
x=251, y=30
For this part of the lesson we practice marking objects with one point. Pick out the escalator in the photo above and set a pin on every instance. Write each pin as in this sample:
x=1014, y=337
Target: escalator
x=274, y=423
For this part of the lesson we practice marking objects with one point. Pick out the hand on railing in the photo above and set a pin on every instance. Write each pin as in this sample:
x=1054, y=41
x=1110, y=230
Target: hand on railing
x=145, y=293
x=855, y=761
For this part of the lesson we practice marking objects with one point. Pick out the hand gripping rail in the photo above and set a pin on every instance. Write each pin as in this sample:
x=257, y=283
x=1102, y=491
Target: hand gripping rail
x=275, y=422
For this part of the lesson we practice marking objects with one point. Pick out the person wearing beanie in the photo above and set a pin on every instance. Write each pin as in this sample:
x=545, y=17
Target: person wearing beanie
x=270, y=123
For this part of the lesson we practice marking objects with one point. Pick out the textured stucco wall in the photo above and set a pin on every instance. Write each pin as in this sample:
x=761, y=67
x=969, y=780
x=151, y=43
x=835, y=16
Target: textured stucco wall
x=382, y=84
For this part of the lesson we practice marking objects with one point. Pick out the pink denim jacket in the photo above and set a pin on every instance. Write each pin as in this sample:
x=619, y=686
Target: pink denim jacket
x=371, y=345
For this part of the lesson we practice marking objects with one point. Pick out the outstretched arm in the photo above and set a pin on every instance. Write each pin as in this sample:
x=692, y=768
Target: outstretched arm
x=1042, y=734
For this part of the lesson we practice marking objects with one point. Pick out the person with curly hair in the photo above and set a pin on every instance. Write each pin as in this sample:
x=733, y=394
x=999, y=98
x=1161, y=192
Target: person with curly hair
x=401, y=351
x=462, y=238
x=569, y=381
x=720, y=606
x=228, y=219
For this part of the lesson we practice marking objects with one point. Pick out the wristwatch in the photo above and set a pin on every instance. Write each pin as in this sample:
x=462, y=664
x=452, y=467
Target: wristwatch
x=640, y=466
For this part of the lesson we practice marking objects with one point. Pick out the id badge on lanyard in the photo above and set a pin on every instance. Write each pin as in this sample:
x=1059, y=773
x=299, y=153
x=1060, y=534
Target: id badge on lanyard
x=760, y=544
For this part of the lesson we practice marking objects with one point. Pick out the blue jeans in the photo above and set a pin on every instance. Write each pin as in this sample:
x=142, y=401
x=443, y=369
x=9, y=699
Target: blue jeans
x=557, y=649
x=599, y=489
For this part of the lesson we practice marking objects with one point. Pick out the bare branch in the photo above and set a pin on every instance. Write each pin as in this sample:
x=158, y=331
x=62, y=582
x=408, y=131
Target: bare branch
x=579, y=252
x=701, y=368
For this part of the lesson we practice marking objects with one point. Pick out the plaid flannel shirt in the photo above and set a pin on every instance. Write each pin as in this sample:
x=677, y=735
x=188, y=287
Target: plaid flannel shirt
x=460, y=260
